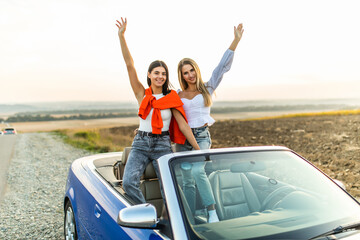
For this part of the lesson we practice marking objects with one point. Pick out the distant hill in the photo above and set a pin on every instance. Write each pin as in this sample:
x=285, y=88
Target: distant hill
x=14, y=108
x=62, y=107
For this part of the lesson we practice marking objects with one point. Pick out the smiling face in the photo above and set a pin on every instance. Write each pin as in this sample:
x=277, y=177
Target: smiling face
x=157, y=76
x=189, y=74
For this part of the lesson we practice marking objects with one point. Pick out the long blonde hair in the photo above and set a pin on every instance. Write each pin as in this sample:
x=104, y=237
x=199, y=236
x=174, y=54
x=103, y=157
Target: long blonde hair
x=200, y=86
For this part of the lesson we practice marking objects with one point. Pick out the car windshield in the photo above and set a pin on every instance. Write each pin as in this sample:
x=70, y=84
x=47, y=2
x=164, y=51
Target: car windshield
x=259, y=194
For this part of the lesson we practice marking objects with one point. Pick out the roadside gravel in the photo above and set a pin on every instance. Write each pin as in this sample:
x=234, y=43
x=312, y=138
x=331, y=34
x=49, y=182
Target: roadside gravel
x=32, y=207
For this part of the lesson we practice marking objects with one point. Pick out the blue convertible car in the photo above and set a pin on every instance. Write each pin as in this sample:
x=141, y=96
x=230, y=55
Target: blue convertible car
x=260, y=193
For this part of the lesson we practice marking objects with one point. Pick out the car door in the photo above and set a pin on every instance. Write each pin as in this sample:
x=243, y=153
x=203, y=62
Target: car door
x=98, y=208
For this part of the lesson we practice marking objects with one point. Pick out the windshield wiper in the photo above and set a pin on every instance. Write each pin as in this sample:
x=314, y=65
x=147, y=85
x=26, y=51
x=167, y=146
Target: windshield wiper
x=340, y=229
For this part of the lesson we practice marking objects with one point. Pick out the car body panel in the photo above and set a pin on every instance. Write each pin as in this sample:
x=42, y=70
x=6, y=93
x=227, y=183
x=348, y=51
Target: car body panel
x=96, y=203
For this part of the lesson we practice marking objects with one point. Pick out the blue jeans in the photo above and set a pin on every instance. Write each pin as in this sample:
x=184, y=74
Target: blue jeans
x=194, y=173
x=144, y=150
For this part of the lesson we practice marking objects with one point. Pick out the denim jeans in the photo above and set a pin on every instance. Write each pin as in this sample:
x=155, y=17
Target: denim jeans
x=194, y=173
x=144, y=150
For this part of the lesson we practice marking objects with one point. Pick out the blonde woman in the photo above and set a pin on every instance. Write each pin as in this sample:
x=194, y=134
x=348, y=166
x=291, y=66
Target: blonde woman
x=196, y=96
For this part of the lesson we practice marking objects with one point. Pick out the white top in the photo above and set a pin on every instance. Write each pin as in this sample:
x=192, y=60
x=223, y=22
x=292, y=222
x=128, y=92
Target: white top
x=145, y=125
x=196, y=113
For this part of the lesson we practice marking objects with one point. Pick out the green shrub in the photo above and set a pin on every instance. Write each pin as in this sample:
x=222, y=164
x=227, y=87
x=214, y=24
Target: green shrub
x=84, y=135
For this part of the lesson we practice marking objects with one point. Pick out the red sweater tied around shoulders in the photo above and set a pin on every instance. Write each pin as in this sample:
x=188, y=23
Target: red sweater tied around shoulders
x=171, y=100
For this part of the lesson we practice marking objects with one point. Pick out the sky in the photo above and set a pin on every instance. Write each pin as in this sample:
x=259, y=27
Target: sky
x=68, y=50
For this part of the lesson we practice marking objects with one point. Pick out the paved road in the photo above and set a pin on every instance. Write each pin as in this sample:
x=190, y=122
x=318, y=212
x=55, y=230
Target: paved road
x=7, y=143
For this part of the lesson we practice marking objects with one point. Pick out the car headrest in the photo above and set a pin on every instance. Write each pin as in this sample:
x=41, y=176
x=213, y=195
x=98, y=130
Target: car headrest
x=247, y=166
x=125, y=155
x=149, y=172
x=222, y=164
x=238, y=166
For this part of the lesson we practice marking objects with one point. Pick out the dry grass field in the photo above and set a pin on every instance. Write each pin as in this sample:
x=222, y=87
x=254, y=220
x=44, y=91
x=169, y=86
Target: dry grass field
x=24, y=127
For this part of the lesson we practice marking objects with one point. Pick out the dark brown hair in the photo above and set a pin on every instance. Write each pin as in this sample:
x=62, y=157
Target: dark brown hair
x=167, y=84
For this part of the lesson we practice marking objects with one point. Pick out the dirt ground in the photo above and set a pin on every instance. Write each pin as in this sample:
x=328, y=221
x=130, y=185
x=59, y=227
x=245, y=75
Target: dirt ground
x=332, y=143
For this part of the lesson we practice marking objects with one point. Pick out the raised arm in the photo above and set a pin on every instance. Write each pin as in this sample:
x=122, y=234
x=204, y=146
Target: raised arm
x=136, y=85
x=225, y=62
x=238, y=31
x=185, y=128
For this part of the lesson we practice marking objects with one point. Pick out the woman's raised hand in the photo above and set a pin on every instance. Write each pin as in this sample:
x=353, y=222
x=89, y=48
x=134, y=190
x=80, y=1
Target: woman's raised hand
x=122, y=26
x=238, y=31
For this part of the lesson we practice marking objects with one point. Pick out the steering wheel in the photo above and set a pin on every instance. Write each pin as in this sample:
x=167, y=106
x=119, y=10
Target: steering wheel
x=275, y=196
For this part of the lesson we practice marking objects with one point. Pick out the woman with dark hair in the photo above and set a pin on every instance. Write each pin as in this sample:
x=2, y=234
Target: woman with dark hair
x=196, y=96
x=161, y=118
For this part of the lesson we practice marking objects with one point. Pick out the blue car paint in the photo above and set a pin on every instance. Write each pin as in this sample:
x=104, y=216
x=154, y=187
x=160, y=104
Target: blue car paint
x=74, y=183
x=96, y=207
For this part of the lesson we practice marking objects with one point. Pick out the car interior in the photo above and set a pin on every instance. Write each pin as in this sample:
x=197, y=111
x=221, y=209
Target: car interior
x=237, y=187
x=234, y=198
x=112, y=171
x=238, y=191
x=233, y=192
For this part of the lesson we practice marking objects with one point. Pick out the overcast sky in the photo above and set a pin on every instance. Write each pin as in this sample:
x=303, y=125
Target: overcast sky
x=65, y=50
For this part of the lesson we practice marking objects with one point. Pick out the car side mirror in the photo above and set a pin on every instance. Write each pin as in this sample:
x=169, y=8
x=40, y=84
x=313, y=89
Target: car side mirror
x=340, y=183
x=138, y=216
